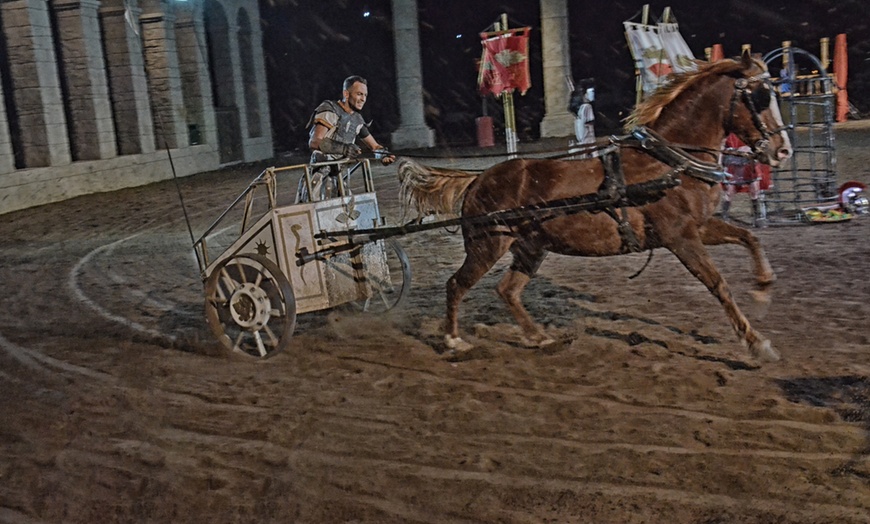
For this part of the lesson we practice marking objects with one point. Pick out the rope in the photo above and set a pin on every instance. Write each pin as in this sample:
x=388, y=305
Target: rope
x=558, y=154
x=177, y=186
x=645, y=264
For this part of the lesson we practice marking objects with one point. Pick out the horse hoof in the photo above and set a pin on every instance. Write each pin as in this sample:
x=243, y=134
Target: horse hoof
x=456, y=344
x=537, y=342
x=762, y=350
x=761, y=296
x=766, y=282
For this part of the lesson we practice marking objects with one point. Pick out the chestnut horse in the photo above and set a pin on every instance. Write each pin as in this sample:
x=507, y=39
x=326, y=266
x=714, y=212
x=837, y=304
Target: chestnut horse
x=690, y=117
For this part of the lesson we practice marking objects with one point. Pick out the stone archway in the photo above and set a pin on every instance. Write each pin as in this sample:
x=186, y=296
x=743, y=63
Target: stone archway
x=249, y=79
x=220, y=66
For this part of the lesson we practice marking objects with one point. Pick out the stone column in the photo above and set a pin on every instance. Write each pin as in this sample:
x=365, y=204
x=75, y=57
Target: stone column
x=557, y=65
x=83, y=68
x=413, y=131
x=7, y=156
x=37, y=95
x=164, y=77
x=195, y=81
x=134, y=127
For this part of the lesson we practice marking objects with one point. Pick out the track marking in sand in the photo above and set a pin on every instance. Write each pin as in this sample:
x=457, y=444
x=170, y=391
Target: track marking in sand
x=596, y=447
x=145, y=298
x=79, y=294
x=156, y=303
x=237, y=459
x=29, y=358
x=819, y=511
x=589, y=394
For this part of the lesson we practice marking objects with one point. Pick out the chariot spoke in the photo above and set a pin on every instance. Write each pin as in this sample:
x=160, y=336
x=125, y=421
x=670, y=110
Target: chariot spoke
x=218, y=296
x=386, y=280
x=228, y=280
x=384, y=297
x=272, y=338
x=237, y=345
x=260, y=346
x=382, y=286
x=242, y=277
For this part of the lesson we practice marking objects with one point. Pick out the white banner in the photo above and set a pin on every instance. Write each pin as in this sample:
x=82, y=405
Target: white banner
x=675, y=47
x=658, y=51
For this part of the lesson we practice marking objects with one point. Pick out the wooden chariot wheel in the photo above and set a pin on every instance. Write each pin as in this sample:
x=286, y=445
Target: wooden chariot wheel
x=390, y=291
x=250, y=306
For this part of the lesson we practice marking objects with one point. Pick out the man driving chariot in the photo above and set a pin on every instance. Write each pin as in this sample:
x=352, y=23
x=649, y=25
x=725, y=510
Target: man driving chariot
x=334, y=129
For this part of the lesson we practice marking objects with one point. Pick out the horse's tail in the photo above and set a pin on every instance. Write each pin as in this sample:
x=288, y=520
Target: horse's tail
x=432, y=190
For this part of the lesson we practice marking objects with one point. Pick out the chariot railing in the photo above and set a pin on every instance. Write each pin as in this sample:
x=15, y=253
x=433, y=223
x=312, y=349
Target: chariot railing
x=267, y=182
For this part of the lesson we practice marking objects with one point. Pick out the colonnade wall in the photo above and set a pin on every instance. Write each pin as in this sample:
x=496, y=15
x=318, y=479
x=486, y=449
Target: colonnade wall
x=94, y=92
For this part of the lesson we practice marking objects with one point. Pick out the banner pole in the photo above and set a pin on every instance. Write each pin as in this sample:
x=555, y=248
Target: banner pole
x=644, y=20
x=510, y=128
x=510, y=134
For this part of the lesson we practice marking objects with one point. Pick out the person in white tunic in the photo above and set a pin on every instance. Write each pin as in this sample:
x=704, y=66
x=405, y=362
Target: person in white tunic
x=584, y=117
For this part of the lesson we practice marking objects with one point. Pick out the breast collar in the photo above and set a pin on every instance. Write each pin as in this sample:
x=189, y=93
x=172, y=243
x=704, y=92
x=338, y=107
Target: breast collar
x=673, y=155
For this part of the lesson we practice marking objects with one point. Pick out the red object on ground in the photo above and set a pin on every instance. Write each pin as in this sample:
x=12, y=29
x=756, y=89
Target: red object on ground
x=852, y=184
x=485, y=135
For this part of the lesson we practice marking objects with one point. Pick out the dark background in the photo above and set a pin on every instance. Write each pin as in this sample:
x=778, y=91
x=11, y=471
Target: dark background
x=311, y=46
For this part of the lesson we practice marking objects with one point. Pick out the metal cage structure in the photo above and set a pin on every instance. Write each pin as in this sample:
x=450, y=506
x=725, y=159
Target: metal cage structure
x=808, y=107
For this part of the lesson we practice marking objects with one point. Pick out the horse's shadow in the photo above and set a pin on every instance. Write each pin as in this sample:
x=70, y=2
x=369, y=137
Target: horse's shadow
x=559, y=306
x=848, y=396
x=551, y=304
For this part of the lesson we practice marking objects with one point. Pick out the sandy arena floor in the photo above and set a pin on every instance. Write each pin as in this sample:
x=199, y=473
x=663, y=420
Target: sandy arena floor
x=117, y=404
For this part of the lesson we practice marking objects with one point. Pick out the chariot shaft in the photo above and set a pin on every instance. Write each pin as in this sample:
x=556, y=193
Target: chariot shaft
x=607, y=198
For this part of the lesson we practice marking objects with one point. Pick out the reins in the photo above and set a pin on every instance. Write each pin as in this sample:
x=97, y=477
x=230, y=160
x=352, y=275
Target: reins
x=668, y=153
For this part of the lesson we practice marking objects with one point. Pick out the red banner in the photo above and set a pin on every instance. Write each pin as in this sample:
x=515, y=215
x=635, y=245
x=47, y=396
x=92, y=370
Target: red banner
x=504, y=65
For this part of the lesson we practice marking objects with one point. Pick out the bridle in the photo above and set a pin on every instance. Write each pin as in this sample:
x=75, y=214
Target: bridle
x=743, y=93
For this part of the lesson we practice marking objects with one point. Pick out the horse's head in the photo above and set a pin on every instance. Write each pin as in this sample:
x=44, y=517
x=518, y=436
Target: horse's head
x=754, y=114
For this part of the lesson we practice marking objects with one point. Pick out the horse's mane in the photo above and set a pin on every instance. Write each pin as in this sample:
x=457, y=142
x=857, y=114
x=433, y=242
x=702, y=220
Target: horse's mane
x=432, y=190
x=648, y=111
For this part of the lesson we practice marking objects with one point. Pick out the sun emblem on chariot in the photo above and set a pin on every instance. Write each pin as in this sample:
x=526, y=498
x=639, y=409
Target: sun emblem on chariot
x=262, y=248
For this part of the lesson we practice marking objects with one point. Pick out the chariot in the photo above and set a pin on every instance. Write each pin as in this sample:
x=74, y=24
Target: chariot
x=275, y=261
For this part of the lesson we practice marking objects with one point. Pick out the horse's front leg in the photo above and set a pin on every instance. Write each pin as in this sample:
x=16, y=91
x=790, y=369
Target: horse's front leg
x=691, y=252
x=716, y=232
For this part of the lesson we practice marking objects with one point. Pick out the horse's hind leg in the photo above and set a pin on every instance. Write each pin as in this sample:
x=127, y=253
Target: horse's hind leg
x=692, y=254
x=526, y=262
x=716, y=232
x=481, y=253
